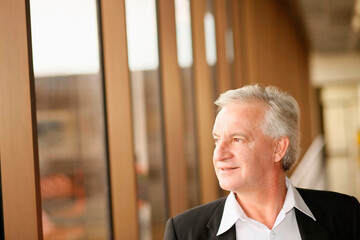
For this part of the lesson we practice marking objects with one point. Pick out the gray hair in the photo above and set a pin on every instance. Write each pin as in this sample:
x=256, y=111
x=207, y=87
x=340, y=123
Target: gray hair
x=282, y=118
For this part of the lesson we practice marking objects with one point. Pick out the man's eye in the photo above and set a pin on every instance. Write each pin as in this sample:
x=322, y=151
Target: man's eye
x=216, y=141
x=238, y=140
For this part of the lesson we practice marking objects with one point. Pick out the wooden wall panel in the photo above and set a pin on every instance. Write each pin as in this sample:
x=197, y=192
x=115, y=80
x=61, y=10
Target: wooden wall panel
x=276, y=55
x=119, y=121
x=224, y=81
x=18, y=137
x=240, y=54
x=173, y=108
x=204, y=105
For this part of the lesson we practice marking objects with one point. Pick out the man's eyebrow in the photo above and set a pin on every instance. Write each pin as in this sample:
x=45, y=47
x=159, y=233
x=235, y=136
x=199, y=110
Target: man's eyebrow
x=232, y=135
x=237, y=134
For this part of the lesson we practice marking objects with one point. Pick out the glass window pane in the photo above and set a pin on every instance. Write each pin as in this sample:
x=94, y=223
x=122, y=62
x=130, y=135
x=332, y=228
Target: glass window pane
x=210, y=44
x=70, y=119
x=183, y=33
x=210, y=36
x=229, y=41
x=142, y=42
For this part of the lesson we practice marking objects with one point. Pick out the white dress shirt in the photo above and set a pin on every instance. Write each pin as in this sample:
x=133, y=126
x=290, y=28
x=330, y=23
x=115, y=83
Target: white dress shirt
x=285, y=226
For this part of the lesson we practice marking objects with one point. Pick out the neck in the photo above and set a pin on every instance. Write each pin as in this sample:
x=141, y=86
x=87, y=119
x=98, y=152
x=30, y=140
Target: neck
x=264, y=204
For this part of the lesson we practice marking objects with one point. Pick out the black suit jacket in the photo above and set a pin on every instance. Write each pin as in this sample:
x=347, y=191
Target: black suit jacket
x=337, y=217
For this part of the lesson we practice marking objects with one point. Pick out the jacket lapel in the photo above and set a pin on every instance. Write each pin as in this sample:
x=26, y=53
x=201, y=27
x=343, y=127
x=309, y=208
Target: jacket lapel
x=214, y=224
x=310, y=229
x=228, y=235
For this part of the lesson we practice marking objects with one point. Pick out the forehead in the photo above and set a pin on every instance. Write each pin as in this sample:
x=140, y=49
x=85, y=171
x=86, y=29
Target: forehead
x=241, y=114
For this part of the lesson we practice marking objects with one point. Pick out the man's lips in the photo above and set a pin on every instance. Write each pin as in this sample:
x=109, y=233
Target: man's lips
x=227, y=168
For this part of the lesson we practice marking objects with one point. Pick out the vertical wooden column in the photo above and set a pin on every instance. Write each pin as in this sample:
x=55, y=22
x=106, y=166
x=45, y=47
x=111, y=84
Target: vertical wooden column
x=238, y=19
x=223, y=67
x=204, y=105
x=119, y=120
x=173, y=108
x=18, y=137
x=249, y=38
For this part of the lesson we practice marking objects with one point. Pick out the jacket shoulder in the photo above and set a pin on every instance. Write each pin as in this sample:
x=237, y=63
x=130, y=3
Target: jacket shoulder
x=340, y=213
x=204, y=211
x=193, y=223
x=325, y=197
x=327, y=201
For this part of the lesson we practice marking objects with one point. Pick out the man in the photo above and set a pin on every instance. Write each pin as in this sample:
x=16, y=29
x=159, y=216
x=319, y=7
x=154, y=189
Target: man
x=256, y=135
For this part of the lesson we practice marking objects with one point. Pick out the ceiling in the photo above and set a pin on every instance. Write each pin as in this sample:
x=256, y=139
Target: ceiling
x=331, y=25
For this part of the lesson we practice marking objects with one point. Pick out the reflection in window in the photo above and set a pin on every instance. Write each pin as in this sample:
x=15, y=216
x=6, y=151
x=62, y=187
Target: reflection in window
x=70, y=120
x=148, y=142
x=185, y=59
x=210, y=37
x=183, y=33
x=229, y=40
x=210, y=43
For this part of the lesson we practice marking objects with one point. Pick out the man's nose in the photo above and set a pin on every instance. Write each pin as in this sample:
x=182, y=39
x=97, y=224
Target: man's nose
x=221, y=151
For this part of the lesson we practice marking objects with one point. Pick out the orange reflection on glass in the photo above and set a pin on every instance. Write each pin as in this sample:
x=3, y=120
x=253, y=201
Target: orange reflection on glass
x=141, y=26
x=70, y=120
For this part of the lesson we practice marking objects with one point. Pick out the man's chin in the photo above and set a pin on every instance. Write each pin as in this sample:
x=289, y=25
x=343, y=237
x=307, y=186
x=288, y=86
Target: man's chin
x=225, y=186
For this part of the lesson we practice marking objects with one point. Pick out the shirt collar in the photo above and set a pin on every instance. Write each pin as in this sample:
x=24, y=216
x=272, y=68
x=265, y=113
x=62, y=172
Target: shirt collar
x=298, y=201
x=233, y=211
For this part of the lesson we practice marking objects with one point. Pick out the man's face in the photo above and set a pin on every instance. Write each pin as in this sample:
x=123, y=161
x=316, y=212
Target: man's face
x=243, y=154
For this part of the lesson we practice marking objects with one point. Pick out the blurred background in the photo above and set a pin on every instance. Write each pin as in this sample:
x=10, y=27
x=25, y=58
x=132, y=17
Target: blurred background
x=117, y=98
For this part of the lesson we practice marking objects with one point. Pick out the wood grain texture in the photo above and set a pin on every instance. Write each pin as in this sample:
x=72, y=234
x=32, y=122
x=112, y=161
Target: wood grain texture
x=119, y=121
x=224, y=81
x=277, y=55
x=173, y=109
x=18, y=139
x=205, y=110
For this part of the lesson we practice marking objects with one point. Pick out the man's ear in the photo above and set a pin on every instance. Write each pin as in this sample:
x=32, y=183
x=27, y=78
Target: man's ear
x=280, y=147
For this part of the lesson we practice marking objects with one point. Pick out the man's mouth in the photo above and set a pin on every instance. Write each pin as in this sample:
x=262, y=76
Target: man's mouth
x=228, y=168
